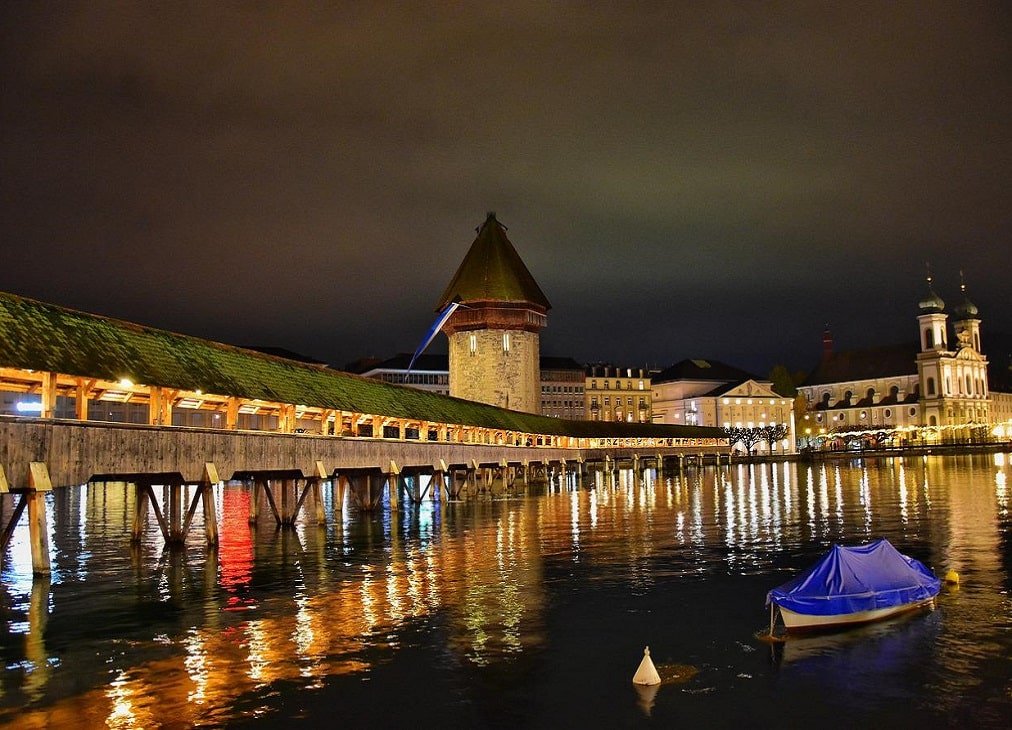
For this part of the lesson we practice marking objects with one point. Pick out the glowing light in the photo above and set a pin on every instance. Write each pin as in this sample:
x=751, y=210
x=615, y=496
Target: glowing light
x=29, y=407
x=126, y=383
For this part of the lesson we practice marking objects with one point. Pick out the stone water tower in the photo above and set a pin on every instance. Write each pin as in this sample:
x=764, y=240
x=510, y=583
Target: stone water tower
x=494, y=341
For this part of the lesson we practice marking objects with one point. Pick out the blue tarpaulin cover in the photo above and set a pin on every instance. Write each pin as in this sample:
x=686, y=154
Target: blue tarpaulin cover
x=852, y=579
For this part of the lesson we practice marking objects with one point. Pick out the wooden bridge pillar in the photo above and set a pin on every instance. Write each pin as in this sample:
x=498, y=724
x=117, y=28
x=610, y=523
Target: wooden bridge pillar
x=339, y=488
x=438, y=485
x=174, y=522
x=393, y=477
x=34, y=498
x=366, y=487
x=256, y=487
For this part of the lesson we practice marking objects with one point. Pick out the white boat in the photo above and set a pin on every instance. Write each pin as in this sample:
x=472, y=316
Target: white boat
x=851, y=586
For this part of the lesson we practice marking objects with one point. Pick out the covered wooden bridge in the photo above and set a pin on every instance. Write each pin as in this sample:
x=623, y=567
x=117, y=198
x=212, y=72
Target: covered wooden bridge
x=116, y=401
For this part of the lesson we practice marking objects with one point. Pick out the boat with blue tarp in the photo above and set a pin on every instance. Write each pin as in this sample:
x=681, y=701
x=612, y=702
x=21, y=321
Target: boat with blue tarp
x=853, y=585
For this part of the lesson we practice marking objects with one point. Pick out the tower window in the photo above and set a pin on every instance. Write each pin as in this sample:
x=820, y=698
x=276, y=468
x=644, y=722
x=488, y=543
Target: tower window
x=929, y=339
x=931, y=386
x=473, y=343
x=506, y=342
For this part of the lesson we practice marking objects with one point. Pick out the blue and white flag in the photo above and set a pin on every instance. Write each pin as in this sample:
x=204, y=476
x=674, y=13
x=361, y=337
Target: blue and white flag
x=433, y=331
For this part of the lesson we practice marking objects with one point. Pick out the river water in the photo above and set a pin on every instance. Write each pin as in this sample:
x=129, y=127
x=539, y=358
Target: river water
x=528, y=611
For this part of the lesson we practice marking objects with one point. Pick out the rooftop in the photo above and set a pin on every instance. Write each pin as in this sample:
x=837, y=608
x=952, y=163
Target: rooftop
x=703, y=370
x=492, y=271
x=40, y=336
x=866, y=364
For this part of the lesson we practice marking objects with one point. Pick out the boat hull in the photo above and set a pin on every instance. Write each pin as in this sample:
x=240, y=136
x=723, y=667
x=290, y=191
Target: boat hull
x=800, y=622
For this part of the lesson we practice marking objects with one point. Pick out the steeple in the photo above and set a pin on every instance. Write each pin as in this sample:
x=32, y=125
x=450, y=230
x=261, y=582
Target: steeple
x=966, y=320
x=966, y=310
x=492, y=271
x=932, y=320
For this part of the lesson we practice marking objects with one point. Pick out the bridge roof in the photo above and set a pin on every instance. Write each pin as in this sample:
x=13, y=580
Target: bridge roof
x=40, y=336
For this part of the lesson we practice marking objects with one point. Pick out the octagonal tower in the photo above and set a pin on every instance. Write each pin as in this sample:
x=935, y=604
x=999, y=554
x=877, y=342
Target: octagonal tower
x=494, y=340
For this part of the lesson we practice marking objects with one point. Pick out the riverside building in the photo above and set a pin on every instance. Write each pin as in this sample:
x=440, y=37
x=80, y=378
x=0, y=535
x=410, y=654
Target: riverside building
x=939, y=383
x=712, y=393
x=613, y=393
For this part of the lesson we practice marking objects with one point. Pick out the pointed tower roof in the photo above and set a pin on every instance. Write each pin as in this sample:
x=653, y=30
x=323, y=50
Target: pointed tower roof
x=493, y=271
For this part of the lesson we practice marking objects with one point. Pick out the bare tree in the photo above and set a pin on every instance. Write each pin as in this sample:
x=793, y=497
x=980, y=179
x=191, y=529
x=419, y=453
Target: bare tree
x=773, y=433
x=747, y=437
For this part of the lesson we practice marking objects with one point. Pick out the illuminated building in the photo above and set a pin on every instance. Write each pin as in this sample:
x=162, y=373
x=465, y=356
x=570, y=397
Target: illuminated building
x=617, y=394
x=712, y=393
x=430, y=372
x=940, y=381
x=562, y=384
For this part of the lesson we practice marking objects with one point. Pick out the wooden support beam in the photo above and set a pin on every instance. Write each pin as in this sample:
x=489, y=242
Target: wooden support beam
x=174, y=510
x=232, y=413
x=141, y=498
x=286, y=501
x=340, y=488
x=83, y=392
x=7, y=531
x=38, y=530
x=48, y=393
x=154, y=406
x=393, y=483
x=321, y=476
x=254, y=499
x=269, y=493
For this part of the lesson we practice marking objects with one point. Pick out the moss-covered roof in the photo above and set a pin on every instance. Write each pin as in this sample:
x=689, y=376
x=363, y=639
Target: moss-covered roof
x=39, y=336
x=492, y=271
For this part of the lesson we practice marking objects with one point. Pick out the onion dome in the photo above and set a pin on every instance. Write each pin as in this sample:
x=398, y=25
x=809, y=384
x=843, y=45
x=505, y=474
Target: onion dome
x=966, y=310
x=932, y=303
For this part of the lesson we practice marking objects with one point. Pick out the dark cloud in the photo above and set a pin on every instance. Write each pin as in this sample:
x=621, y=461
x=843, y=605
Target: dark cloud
x=683, y=179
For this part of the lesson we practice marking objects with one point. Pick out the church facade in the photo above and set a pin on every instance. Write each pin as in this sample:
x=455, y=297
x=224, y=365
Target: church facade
x=939, y=381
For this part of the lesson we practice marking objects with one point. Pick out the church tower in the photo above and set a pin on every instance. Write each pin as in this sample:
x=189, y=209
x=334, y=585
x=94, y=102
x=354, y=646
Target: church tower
x=953, y=382
x=493, y=334
x=966, y=320
x=934, y=376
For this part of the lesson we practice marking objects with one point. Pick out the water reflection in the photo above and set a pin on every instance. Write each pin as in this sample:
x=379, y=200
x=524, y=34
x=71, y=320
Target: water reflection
x=123, y=637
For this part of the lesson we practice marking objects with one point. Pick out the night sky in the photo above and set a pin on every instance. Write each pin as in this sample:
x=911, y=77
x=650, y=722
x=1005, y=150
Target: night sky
x=683, y=179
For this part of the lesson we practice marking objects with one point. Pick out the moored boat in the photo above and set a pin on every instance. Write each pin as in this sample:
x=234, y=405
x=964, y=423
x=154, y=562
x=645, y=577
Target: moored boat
x=851, y=586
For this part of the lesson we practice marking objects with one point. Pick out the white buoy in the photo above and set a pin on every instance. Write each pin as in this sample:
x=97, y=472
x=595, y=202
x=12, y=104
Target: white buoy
x=646, y=673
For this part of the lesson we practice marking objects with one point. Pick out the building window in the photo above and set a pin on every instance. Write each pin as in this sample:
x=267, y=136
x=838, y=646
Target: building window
x=888, y=413
x=913, y=411
x=506, y=342
x=931, y=386
x=473, y=343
